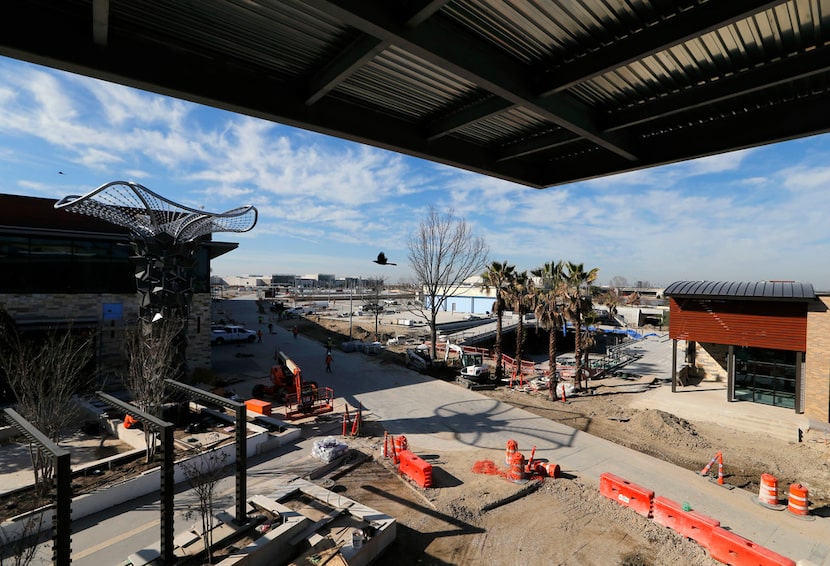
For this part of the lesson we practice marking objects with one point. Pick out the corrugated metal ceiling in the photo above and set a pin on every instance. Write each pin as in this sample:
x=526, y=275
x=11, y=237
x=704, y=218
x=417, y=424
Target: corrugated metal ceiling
x=540, y=92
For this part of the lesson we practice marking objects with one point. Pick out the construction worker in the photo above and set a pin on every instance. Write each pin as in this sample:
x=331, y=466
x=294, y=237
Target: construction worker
x=259, y=335
x=295, y=330
x=329, y=359
x=328, y=345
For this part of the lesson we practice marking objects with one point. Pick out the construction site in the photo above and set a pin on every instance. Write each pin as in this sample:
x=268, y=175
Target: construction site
x=414, y=469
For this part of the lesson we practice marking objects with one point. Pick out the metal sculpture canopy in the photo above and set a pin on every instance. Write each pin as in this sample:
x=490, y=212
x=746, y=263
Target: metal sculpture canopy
x=149, y=215
x=165, y=238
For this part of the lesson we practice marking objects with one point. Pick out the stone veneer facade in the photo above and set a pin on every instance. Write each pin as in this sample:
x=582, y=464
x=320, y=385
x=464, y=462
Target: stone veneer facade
x=710, y=361
x=87, y=309
x=817, y=379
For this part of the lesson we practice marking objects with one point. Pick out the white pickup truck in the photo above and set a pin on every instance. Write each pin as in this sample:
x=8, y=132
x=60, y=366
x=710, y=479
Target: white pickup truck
x=232, y=333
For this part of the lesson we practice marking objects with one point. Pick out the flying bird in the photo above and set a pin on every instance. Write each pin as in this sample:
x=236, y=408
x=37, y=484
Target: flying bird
x=381, y=260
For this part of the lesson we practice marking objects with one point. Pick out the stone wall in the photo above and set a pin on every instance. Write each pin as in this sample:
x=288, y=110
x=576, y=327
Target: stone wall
x=710, y=361
x=87, y=310
x=817, y=379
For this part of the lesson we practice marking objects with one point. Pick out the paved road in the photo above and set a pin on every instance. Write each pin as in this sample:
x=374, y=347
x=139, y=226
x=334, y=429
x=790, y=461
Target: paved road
x=438, y=416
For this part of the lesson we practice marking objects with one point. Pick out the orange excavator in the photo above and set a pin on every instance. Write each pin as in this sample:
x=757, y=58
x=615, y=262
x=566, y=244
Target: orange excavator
x=301, y=398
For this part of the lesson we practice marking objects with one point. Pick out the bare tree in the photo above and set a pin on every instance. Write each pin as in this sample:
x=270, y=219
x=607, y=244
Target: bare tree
x=20, y=548
x=444, y=253
x=153, y=355
x=202, y=473
x=46, y=371
x=372, y=302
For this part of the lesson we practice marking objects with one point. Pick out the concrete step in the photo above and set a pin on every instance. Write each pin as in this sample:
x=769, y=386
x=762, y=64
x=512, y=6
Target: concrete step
x=780, y=429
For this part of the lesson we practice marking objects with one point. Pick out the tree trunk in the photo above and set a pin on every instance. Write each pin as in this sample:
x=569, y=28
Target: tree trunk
x=519, y=340
x=553, y=382
x=578, y=351
x=499, y=369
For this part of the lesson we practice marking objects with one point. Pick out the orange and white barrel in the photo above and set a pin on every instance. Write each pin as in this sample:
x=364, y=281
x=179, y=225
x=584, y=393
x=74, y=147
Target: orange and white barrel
x=512, y=448
x=401, y=444
x=517, y=467
x=768, y=490
x=548, y=469
x=798, y=501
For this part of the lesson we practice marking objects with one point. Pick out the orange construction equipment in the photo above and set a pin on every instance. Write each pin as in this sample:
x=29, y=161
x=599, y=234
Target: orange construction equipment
x=302, y=398
x=358, y=418
x=768, y=492
x=416, y=468
x=548, y=469
x=347, y=424
x=626, y=493
x=689, y=524
x=517, y=467
x=718, y=457
x=798, y=503
x=259, y=407
x=730, y=548
x=512, y=448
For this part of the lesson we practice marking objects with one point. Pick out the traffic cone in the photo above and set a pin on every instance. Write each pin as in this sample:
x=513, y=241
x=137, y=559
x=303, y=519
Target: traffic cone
x=346, y=421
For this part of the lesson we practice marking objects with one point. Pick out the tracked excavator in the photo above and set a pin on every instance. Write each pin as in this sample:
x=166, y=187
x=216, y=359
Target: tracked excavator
x=301, y=398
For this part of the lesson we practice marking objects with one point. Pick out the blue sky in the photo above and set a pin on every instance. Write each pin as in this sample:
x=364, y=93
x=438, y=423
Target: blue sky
x=329, y=206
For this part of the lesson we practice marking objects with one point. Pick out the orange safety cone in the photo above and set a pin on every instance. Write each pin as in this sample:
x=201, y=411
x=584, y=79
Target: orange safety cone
x=512, y=448
x=768, y=492
x=706, y=468
x=356, y=424
x=529, y=467
x=517, y=468
x=798, y=503
x=720, y=468
x=346, y=421
x=547, y=469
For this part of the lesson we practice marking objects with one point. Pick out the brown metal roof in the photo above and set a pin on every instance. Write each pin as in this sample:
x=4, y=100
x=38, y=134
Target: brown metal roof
x=768, y=290
x=540, y=92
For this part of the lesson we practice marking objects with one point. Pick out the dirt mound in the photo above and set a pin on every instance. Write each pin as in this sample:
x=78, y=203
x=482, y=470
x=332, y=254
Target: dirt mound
x=655, y=425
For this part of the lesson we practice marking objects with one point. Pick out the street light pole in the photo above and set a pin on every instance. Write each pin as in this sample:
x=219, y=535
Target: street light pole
x=350, y=313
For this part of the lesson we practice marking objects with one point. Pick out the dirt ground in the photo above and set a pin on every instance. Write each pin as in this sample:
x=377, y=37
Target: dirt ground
x=563, y=521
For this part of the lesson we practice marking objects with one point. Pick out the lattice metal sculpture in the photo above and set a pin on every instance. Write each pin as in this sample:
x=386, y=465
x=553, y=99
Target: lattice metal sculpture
x=165, y=238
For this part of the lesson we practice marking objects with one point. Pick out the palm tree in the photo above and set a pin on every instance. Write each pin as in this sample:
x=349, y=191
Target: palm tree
x=498, y=277
x=578, y=302
x=521, y=296
x=547, y=311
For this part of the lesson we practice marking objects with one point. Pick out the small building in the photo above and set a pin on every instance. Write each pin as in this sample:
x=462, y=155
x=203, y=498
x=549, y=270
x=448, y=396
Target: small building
x=768, y=340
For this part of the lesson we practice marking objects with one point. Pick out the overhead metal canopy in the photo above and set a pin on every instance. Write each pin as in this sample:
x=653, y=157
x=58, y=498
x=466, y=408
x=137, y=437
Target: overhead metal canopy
x=541, y=92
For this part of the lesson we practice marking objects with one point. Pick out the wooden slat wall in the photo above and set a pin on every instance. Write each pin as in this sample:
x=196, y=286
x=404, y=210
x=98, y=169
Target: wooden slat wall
x=760, y=324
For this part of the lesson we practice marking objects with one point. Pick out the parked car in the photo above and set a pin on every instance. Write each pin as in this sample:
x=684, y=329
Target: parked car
x=231, y=333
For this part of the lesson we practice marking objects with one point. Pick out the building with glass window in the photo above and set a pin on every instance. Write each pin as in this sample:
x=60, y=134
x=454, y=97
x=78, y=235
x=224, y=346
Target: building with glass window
x=767, y=340
x=61, y=270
